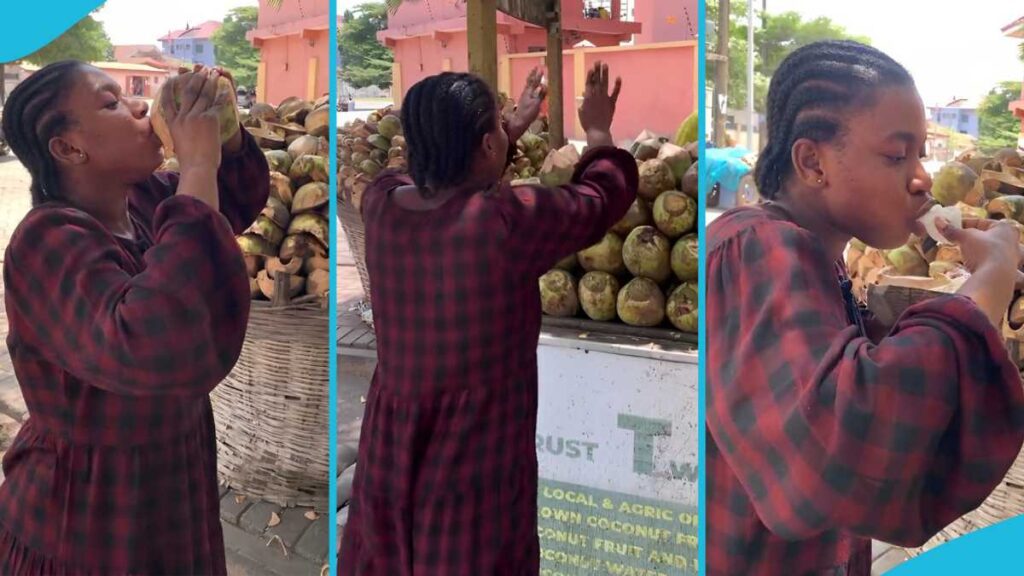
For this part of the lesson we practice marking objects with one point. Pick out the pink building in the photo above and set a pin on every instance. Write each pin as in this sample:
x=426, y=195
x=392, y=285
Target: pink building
x=428, y=39
x=1016, y=30
x=294, y=44
x=138, y=80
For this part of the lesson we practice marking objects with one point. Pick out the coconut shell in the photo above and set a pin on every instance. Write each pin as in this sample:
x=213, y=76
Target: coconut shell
x=266, y=283
x=263, y=111
x=251, y=243
x=315, y=263
x=313, y=224
x=267, y=139
x=277, y=212
x=310, y=197
x=227, y=113
x=254, y=289
x=266, y=228
x=301, y=246
x=281, y=188
x=318, y=122
x=318, y=283
x=275, y=265
x=303, y=145
x=296, y=112
x=278, y=161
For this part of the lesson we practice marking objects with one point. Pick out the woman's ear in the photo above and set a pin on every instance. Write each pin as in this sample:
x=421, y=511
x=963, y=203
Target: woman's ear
x=808, y=165
x=67, y=153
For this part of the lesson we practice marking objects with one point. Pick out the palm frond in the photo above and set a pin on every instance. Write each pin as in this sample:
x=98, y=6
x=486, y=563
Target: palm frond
x=276, y=4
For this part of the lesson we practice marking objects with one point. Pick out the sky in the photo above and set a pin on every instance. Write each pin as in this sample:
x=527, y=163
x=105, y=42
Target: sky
x=952, y=50
x=134, y=22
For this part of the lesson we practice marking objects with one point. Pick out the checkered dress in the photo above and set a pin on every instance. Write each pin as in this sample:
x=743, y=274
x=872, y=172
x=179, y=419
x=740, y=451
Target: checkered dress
x=116, y=345
x=820, y=440
x=447, y=477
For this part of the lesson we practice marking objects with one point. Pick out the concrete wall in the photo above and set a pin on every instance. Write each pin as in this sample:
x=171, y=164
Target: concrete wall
x=666, y=21
x=659, y=85
x=295, y=66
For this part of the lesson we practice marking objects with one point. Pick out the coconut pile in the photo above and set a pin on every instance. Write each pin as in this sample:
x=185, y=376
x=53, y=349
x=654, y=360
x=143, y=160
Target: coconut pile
x=973, y=186
x=365, y=147
x=644, y=271
x=291, y=236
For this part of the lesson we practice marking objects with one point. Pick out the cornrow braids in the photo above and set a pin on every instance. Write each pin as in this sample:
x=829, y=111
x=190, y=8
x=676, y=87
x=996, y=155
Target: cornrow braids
x=445, y=118
x=809, y=91
x=32, y=117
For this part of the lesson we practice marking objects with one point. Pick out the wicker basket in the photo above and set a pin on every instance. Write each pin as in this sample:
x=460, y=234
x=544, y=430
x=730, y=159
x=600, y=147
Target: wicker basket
x=355, y=232
x=272, y=411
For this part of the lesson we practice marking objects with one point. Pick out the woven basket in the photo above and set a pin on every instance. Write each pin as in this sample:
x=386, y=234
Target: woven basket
x=272, y=411
x=355, y=232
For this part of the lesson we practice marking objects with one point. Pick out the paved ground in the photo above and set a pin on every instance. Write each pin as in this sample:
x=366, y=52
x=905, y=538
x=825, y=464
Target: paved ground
x=296, y=545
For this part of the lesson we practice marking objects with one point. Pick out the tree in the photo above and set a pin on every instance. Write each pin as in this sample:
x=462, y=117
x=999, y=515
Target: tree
x=365, y=61
x=999, y=128
x=233, y=49
x=86, y=40
x=775, y=37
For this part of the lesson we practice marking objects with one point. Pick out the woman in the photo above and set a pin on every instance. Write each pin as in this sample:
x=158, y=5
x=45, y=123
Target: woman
x=127, y=301
x=819, y=438
x=447, y=475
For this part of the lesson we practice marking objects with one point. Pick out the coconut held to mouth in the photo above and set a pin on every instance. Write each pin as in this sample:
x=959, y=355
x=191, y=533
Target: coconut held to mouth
x=227, y=112
x=950, y=213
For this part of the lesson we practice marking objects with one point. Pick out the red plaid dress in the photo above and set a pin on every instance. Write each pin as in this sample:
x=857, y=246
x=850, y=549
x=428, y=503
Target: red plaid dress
x=447, y=477
x=116, y=345
x=820, y=440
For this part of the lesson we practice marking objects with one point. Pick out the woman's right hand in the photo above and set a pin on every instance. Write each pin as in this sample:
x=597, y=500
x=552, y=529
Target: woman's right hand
x=598, y=106
x=992, y=252
x=194, y=126
x=195, y=129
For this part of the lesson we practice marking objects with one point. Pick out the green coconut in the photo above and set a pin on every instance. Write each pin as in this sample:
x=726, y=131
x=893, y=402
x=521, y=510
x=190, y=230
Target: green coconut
x=641, y=303
x=598, y=293
x=685, y=258
x=558, y=295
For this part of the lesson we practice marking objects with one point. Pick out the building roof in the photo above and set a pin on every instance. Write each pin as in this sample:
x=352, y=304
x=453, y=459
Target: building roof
x=125, y=51
x=959, y=103
x=202, y=31
x=1014, y=29
x=119, y=66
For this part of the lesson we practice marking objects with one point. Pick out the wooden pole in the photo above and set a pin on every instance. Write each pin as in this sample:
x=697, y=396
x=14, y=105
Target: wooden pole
x=482, y=36
x=556, y=113
x=721, y=92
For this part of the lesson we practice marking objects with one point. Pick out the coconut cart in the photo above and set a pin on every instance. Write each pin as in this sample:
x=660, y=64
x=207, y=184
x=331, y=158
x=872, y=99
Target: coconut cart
x=617, y=358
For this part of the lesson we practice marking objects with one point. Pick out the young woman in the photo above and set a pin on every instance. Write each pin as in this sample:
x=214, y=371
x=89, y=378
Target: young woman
x=127, y=301
x=447, y=476
x=819, y=438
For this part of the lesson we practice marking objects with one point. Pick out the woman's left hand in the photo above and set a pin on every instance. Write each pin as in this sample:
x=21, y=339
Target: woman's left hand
x=528, y=107
x=233, y=145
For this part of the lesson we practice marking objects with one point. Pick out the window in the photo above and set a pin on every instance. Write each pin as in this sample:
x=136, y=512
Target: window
x=199, y=48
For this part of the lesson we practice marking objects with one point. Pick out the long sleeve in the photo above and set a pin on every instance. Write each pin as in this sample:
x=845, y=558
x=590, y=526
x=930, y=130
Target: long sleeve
x=243, y=185
x=826, y=430
x=76, y=300
x=547, y=224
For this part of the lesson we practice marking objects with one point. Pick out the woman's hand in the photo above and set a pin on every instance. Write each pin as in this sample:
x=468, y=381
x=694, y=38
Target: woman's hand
x=234, y=144
x=195, y=129
x=528, y=107
x=992, y=252
x=598, y=106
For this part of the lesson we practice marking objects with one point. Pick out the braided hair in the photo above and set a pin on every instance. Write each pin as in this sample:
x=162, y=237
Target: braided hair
x=32, y=116
x=445, y=117
x=810, y=89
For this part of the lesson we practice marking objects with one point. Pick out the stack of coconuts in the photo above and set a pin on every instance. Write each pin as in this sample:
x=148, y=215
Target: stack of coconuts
x=364, y=149
x=292, y=234
x=980, y=186
x=644, y=271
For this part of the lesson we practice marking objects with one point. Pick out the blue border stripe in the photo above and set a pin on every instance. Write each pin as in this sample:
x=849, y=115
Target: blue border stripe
x=702, y=283
x=20, y=40
x=332, y=544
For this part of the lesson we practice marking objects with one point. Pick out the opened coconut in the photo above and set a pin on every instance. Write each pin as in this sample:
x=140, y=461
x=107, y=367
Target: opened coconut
x=227, y=112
